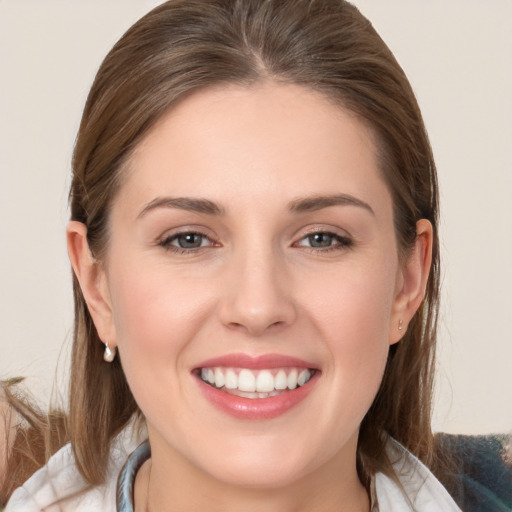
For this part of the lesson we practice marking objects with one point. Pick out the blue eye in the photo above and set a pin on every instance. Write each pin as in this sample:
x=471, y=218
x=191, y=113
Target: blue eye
x=324, y=240
x=182, y=242
x=320, y=240
x=189, y=240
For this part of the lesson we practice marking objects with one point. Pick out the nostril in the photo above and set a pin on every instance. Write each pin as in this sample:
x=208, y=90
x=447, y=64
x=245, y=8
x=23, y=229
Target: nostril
x=256, y=328
x=256, y=307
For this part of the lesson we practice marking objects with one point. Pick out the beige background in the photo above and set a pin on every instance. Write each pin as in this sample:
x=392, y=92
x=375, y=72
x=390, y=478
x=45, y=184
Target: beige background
x=458, y=56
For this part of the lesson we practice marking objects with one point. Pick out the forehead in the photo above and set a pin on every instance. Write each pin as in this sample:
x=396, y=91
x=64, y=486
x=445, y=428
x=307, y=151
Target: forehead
x=265, y=140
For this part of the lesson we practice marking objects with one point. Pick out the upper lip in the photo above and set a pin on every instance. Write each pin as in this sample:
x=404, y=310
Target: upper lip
x=255, y=362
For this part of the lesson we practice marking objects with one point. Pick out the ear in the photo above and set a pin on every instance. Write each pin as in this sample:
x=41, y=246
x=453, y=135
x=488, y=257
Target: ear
x=412, y=281
x=93, y=281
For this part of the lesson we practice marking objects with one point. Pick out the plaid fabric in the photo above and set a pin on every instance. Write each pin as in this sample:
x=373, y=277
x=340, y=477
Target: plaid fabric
x=482, y=477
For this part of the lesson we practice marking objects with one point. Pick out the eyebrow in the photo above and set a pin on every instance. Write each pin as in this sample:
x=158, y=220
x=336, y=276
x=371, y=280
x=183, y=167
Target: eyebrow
x=183, y=203
x=301, y=205
x=313, y=203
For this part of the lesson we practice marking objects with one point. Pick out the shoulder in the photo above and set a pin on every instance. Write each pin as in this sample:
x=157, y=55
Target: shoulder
x=58, y=486
x=412, y=486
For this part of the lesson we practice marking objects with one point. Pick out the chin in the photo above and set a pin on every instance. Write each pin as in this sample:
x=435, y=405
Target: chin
x=260, y=463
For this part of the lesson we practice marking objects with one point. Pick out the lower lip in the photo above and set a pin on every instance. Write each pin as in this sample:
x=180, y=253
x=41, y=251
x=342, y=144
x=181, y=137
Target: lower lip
x=257, y=408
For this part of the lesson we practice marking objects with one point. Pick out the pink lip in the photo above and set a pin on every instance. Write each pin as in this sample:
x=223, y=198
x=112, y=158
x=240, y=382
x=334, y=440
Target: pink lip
x=268, y=361
x=257, y=408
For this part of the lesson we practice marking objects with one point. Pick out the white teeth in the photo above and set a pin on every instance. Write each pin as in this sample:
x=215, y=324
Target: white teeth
x=265, y=382
x=231, y=379
x=302, y=378
x=246, y=381
x=254, y=383
x=281, y=380
x=219, y=378
x=292, y=379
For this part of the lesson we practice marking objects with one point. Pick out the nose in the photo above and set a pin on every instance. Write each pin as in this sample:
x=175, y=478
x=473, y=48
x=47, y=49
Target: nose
x=257, y=296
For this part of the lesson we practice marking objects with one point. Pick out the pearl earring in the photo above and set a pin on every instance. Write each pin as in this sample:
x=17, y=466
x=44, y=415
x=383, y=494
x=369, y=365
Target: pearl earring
x=400, y=324
x=109, y=354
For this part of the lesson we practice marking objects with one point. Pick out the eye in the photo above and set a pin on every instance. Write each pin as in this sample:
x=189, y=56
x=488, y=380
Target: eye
x=324, y=240
x=186, y=241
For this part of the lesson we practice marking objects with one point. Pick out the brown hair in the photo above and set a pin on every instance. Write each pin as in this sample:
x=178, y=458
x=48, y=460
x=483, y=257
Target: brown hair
x=186, y=45
x=29, y=438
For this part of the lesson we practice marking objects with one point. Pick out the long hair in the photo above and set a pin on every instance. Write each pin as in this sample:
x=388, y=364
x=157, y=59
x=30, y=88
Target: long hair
x=30, y=436
x=184, y=46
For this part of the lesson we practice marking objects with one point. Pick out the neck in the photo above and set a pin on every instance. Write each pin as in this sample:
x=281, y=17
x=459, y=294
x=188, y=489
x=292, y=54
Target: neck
x=168, y=484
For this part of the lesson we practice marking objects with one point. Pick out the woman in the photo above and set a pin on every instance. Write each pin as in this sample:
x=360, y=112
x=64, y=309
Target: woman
x=254, y=241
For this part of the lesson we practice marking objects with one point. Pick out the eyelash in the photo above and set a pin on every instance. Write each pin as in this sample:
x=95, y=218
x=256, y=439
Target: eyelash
x=342, y=242
x=167, y=242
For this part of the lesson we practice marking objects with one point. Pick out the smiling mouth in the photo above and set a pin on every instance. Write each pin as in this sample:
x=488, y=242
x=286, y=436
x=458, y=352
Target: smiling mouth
x=248, y=383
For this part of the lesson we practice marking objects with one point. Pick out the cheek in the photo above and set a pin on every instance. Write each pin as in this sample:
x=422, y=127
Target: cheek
x=155, y=317
x=353, y=306
x=352, y=314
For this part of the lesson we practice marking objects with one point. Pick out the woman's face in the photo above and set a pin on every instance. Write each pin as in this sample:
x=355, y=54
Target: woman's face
x=252, y=248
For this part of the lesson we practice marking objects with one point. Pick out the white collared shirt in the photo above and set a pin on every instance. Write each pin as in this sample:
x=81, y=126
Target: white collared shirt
x=58, y=486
